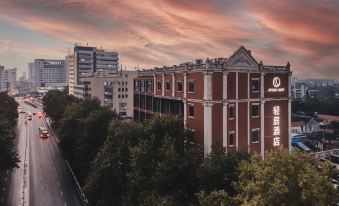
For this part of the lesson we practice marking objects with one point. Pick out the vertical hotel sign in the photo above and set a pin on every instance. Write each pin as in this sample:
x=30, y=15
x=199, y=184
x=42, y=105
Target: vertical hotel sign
x=276, y=125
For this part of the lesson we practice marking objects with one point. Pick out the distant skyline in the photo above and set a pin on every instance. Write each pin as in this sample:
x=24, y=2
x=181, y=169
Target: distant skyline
x=152, y=33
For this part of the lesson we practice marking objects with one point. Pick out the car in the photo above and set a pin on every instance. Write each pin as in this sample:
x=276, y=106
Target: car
x=34, y=113
x=43, y=132
x=29, y=116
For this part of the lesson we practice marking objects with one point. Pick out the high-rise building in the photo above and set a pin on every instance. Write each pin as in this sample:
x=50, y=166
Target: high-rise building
x=8, y=79
x=86, y=61
x=236, y=102
x=48, y=73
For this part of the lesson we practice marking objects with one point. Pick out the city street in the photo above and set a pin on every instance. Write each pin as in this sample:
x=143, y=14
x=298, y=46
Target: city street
x=43, y=177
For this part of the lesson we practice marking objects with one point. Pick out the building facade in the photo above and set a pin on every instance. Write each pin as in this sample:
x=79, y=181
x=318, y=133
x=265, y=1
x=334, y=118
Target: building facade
x=7, y=79
x=235, y=102
x=85, y=61
x=115, y=91
x=51, y=73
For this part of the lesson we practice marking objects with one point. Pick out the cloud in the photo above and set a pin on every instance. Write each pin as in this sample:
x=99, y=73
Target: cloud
x=166, y=32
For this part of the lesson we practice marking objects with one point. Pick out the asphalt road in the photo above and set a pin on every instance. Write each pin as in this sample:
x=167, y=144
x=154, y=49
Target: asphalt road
x=43, y=177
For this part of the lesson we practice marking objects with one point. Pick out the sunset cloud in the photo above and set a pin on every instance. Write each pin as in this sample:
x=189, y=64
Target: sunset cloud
x=166, y=32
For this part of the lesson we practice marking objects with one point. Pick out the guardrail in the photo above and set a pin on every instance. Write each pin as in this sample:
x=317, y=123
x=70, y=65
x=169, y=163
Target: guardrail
x=81, y=193
x=324, y=154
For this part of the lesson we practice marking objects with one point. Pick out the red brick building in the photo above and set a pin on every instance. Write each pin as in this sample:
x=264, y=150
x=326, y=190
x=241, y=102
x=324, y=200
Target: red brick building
x=236, y=101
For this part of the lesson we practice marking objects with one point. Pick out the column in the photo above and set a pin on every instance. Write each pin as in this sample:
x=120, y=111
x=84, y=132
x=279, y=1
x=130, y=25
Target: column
x=173, y=84
x=249, y=133
x=207, y=113
x=236, y=110
x=225, y=111
x=262, y=115
x=289, y=113
x=185, y=98
x=163, y=84
x=154, y=84
x=207, y=128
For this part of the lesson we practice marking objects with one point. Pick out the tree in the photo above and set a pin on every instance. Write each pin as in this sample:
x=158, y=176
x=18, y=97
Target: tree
x=219, y=170
x=9, y=158
x=295, y=179
x=90, y=139
x=72, y=125
x=55, y=103
x=107, y=183
x=216, y=198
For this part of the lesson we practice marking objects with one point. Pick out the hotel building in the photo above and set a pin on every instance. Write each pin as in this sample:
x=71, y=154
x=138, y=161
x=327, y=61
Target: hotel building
x=237, y=102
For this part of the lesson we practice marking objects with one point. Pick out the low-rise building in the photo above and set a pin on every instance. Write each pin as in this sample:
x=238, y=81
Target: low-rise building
x=236, y=102
x=298, y=127
x=115, y=91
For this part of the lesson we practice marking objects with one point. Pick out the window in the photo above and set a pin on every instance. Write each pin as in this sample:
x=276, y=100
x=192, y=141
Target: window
x=231, y=112
x=230, y=86
x=118, y=89
x=119, y=96
x=255, y=110
x=142, y=86
x=123, y=83
x=191, y=110
x=136, y=85
x=191, y=86
x=126, y=95
x=159, y=85
x=231, y=139
x=149, y=85
x=122, y=89
x=254, y=85
x=255, y=135
x=126, y=89
x=168, y=86
x=179, y=86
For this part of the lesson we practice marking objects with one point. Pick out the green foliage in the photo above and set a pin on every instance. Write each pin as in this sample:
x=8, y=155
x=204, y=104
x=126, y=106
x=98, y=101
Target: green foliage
x=55, y=103
x=8, y=114
x=322, y=106
x=107, y=182
x=216, y=198
x=296, y=179
x=152, y=164
x=220, y=170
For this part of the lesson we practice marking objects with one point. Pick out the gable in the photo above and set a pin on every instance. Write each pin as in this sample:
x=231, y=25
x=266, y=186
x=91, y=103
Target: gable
x=242, y=58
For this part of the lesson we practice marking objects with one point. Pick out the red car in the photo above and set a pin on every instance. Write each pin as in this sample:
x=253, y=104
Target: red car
x=43, y=132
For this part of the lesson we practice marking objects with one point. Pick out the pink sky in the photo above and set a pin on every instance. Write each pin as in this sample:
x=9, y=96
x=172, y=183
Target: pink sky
x=166, y=32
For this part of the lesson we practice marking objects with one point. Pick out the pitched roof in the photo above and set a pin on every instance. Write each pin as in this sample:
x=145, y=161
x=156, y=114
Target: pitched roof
x=328, y=117
x=297, y=124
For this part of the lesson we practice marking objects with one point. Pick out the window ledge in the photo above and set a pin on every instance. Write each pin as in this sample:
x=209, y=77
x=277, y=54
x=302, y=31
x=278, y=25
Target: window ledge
x=231, y=145
x=231, y=118
x=191, y=92
x=255, y=116
x=256, y=142
x=255, y=91
x=191, y=117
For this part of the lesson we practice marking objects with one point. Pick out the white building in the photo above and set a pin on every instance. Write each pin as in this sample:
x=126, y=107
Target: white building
x=48, y=73
x=115, y=91
x=7, y=79
x=86, y=61
x=299, y=91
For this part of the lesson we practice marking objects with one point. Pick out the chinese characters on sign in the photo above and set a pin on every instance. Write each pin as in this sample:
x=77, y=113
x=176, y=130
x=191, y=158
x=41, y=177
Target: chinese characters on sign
x=276, y=125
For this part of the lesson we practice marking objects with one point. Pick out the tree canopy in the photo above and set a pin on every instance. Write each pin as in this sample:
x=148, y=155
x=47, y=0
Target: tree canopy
x=8, y=114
